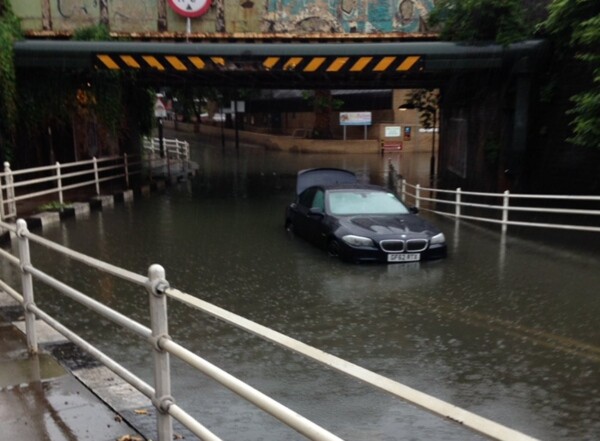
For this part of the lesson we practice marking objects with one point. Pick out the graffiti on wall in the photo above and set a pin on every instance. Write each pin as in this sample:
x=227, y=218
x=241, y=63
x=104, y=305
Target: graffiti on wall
x=365, y=16
x=271, y=16
x=120, y=14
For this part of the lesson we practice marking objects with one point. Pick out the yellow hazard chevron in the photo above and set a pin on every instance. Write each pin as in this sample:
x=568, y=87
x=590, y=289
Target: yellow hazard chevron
x=311, y=64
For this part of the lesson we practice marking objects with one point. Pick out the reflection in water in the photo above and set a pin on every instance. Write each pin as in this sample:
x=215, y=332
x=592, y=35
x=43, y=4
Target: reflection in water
x=504, y=327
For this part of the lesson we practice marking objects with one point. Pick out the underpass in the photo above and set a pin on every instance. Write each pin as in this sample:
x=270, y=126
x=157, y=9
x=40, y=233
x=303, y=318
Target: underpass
x=505, y=327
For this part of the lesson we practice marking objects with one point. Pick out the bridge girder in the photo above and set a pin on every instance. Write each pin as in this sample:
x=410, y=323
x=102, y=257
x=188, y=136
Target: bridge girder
x=282, y=65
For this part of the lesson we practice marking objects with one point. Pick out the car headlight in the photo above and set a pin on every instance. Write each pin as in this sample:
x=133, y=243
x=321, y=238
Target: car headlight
x=358, y=241
x=438, y=238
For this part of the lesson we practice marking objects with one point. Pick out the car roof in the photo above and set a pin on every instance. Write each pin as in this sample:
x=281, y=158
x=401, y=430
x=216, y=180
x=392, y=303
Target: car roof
x=356, y=186
x=323, y=176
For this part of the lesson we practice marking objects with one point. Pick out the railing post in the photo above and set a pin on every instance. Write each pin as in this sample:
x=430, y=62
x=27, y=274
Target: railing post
x=458, y=201
x=418, y=196
x=162, y=372
x=27, y=284
x=403, y=189
x=59, y=184
x=400, y=185
x=96, y=177
x=505, y=206
x=126, y=167
x=10, y=190
x=2, y=212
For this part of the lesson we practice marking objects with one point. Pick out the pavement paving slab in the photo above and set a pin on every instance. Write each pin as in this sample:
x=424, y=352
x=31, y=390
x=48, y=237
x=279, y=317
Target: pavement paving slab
x=41, y=401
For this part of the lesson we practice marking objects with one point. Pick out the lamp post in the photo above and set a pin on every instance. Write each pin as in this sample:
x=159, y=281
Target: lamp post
x=432, y=161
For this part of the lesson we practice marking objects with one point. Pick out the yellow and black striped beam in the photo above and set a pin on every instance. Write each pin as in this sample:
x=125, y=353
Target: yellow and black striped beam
x=300, y=64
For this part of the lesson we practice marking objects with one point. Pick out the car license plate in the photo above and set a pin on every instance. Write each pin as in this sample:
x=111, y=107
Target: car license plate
x=410, y=257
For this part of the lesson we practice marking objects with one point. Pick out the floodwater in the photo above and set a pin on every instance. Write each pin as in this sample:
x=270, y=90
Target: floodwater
x=506, y=327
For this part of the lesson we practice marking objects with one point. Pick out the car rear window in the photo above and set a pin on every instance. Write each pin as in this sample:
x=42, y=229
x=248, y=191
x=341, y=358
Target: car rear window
x=364, y=202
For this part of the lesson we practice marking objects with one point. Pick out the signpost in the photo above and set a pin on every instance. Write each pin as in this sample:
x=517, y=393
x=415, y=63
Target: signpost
x=160, y=112
x=355, y=119
x=190, y=9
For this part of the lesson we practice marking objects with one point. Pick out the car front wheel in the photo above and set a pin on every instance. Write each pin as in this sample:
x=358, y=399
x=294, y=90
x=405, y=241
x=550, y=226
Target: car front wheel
x=333, y=248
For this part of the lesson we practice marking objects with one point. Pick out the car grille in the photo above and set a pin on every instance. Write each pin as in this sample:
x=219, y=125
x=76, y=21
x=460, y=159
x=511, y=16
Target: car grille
x=399, y=246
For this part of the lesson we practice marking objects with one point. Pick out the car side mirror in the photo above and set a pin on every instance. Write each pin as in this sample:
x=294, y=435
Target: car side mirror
x=414, y=210
x=316, y=211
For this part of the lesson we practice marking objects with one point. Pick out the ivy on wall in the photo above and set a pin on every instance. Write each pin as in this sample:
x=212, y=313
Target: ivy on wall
x=42, y=106
x=10, y=30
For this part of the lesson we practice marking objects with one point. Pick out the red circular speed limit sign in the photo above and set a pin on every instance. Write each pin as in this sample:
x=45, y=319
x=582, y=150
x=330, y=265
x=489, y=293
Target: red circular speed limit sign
x=190, y=8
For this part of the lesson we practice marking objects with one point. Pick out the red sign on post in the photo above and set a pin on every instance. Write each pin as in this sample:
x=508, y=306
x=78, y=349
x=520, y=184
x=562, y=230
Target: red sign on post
x=190, y=8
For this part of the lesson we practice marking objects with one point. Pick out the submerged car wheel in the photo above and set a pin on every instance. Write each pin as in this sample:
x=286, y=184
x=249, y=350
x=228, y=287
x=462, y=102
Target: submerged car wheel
x=333, y=248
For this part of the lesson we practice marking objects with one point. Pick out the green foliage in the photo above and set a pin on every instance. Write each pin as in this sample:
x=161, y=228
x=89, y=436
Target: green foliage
x=427, y=102
x=54, y=206
x=10, y=31
x=104, y=86
x=141, y=100
x=322, y=101
x=323, y=104
x=574, y=26
x=92, y=33
x=500, y=21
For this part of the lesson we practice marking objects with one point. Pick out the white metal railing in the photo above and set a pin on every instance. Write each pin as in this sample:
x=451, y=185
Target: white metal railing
x=497, y=207
x=171, y=148
x=163, y=157
x=158, y=290
x=31, y=183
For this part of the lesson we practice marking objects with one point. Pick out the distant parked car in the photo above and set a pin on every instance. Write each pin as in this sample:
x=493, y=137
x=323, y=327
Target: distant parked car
x=359, y=222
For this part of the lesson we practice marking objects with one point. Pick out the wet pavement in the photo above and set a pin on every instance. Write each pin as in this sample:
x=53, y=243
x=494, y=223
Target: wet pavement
x=40, y=400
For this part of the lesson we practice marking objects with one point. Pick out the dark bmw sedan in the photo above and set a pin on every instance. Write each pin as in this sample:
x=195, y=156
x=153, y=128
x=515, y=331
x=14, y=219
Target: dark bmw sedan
x=359, y=222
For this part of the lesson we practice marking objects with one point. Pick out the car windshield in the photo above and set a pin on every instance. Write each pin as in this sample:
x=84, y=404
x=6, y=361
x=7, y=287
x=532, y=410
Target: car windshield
x=346, y=202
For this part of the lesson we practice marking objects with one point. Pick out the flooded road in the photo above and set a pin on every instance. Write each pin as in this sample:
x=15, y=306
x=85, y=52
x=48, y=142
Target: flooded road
x=505, y=327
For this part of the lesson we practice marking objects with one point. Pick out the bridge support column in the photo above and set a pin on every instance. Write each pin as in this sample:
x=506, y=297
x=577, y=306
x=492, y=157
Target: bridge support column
x=516, y=154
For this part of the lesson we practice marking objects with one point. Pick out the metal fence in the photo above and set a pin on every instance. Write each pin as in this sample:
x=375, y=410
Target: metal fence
x=169, y=148
x=157, y=336
x=166, y=157
x=57, y=179
x=566, y=212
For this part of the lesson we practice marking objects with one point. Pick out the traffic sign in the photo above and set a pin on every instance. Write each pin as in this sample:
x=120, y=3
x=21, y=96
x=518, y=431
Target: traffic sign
x=160, y=111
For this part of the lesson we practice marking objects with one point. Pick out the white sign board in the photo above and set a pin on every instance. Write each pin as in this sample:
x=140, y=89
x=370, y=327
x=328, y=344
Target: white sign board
x=160, y=111
x=393, y=131
x=355, y=118
x=241, y=106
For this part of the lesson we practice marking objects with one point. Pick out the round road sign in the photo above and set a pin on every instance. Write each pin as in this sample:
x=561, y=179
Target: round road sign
x=190, y=8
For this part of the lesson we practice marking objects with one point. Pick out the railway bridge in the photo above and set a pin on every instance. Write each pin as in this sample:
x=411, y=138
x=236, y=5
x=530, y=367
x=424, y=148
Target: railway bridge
x=486, y=90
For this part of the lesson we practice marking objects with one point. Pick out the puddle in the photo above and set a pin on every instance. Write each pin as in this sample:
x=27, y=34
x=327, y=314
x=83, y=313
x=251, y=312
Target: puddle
x=17, y=366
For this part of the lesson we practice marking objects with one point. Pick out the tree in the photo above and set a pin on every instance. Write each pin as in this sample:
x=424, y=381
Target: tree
x=574, y=26
x=427, y=102
x=501, y=21
x=323, y=104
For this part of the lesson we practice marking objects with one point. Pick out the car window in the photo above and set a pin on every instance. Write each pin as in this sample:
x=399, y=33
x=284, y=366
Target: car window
x=364, y=202
x=319, y=200
x=306, y=197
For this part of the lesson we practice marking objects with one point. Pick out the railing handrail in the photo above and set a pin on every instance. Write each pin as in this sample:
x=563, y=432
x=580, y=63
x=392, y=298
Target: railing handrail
x=101, y=170
x=511, y=195
x=175, y=146
x=62, y=165
x=504, y=206
x=159, y=289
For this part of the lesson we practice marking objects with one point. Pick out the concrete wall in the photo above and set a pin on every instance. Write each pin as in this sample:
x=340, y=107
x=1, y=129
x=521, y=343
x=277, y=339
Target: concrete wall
x=283, y=143
x=294, y=122
x=301, y=145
